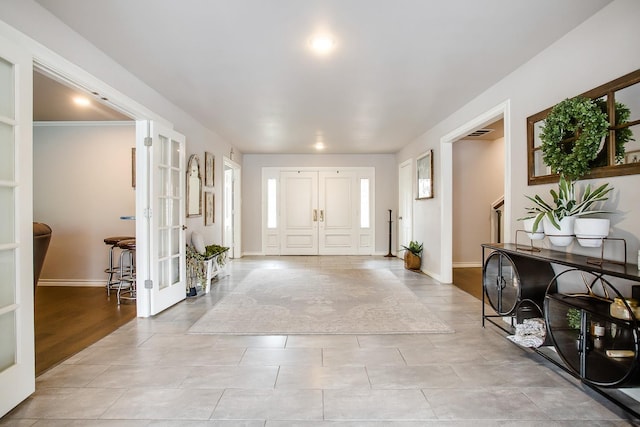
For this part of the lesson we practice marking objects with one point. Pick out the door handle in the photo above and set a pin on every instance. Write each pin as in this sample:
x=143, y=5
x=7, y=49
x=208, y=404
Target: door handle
x=400, y=218
x=321, y=215
x=184, y=227
x=315, y=215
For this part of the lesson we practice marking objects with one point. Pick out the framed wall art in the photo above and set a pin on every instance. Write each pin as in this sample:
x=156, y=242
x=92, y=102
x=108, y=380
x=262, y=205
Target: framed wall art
x=424, y=168
x=209, y=207
x=209, y=165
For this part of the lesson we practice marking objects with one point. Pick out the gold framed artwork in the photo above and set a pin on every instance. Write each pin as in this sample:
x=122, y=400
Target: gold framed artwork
x=209, y=169
x=424, y=172
x=209, y=208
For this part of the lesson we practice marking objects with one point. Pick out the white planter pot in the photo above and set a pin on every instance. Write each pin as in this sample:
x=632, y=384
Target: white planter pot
x=536, y=234
x=562, y=237
x=591, y=231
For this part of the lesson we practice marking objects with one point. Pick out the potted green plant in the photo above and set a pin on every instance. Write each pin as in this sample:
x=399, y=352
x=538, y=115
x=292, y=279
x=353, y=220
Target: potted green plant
x=558, y=217
x=412, y=255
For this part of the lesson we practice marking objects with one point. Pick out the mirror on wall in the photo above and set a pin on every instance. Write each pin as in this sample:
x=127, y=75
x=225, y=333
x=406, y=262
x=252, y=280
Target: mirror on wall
x=194, y=187
x=619, y=152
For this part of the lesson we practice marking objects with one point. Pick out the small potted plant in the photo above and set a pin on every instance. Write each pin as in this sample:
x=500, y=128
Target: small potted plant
x=412, y=255
x=559, y=216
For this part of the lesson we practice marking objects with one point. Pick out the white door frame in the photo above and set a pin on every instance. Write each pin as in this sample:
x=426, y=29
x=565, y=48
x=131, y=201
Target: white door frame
x=236, y=243
x=402, y=216
x=64, y=70
x=502, y=110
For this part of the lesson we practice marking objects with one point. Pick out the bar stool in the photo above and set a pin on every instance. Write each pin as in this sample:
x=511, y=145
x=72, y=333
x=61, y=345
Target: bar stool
x=127, y=273
x=113, y=269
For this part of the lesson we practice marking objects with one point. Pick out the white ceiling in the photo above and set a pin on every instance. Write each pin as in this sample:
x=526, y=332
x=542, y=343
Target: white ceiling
x=243, y=68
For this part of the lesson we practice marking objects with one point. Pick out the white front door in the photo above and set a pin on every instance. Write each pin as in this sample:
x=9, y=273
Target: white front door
x=337, y=213
x=299, y=213
x=405, y=203
x=161, y=217
x=326, y=212
x=17, y=354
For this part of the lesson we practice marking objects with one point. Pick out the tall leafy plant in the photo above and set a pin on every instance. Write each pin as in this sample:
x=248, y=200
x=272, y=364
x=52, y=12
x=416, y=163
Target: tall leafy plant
x=566, y=203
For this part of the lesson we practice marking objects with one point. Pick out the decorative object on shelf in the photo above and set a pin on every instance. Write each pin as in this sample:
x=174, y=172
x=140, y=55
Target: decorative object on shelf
x=566, y=204
x=573, y=318
x=530, y=333
x=209, y=208
x=198, y=243
x=591, y=231
x=536, y=233
x=412, y=255
x=571, y=136
x=209, y=169
x=424, y=171
x=194, y=188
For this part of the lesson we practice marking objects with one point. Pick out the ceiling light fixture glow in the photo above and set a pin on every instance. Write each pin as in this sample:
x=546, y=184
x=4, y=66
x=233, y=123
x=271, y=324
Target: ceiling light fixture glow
x=319, y=146
x=322, y=44
x=81, y=101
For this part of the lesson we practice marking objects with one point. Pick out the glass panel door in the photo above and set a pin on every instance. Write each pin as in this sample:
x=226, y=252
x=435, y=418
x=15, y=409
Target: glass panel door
x=17, y=367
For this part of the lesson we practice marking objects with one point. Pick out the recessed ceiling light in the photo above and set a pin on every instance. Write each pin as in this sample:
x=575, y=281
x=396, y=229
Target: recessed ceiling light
x=322, y=44
x=319, y=146
x=81, y=101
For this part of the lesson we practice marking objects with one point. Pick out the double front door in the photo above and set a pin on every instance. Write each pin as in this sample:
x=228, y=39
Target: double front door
x=323, y=212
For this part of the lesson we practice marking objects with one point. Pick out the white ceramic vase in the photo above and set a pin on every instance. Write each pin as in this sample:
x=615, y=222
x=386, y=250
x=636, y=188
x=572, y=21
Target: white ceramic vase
x=562, y=237
x=536, y=234
x=591, y=231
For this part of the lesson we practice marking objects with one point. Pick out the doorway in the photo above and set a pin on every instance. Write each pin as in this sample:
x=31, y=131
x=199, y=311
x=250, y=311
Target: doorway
x=231, y=208
x=405, y=204
x=82, y=201
x=501, y=111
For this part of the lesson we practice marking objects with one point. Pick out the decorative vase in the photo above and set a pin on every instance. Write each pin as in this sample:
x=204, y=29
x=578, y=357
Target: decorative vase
x=411, y=261
x=562, y=237
x=536, y=234
x=591, y=231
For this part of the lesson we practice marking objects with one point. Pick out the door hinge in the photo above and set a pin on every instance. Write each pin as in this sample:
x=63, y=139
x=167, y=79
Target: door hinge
x=148, y=284
x=148, y=141
x=147, y=212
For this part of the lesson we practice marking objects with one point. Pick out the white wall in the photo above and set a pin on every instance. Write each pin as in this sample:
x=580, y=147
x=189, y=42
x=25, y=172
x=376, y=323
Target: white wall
x=81, y=188
x=386, y=194
x=601, y=49
x=478, y=181
x=32, y=20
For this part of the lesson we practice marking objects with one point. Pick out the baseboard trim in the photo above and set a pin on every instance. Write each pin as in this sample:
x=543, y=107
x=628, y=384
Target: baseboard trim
x=72, y=283
x=467, y=264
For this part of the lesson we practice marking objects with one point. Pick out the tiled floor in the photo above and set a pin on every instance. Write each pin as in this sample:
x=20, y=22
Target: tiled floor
x=152, y=373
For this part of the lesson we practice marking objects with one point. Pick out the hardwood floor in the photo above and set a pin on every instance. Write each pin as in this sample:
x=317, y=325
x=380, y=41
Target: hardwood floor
x=469, y=280
x=69, y=319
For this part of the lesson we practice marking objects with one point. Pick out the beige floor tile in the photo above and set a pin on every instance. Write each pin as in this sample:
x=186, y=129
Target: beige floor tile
x=387, y=356
x=376, y=405
x=282, y=357
x=270, y=405
x=164, y=403
x=322, y=378
x=222, y=377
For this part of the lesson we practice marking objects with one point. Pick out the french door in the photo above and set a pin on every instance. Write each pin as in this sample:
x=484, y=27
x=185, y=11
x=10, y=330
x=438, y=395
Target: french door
x=160, y=207
x=17, y=354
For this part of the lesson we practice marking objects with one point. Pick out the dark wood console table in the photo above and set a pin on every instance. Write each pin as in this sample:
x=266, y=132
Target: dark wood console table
x=583, y=338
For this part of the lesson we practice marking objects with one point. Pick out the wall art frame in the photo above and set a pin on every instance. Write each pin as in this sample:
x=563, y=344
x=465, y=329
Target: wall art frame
x=209, y=208
x=209, y=169
x=424, y=176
